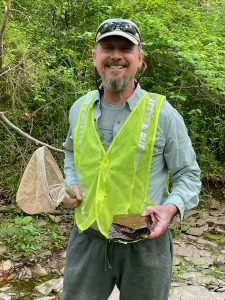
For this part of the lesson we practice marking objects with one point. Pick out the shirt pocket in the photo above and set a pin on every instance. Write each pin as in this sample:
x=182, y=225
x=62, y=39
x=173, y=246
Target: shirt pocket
x=159, y=145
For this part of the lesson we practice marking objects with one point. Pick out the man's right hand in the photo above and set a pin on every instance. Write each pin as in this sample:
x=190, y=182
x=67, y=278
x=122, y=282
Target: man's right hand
x=73, y=201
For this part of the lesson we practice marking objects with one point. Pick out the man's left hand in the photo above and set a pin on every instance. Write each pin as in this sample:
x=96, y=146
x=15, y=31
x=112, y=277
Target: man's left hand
x=161, y=217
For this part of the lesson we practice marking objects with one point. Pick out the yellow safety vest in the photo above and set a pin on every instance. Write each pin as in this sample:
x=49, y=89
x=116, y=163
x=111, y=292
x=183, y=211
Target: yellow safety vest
x=114, y=181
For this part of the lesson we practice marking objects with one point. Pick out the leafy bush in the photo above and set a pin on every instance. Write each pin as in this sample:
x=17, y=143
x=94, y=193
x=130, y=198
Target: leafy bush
x=21, y=236
x=47, y=65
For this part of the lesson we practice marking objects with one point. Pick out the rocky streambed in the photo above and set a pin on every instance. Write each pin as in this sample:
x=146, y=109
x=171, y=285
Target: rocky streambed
x=198, y=271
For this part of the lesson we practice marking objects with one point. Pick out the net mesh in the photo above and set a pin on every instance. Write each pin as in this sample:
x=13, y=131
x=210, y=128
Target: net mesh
x=41, y=188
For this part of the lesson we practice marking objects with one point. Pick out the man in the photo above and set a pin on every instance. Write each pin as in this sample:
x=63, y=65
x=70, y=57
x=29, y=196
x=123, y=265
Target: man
x=121, y=144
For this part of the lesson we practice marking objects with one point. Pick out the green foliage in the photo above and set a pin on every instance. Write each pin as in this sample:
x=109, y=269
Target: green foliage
x=21, y=236
x=207, y=133
x=47, y=65
x=176, y=272
x=177, y=227
x=218, y=238
x=206, y=198
x=216, y=271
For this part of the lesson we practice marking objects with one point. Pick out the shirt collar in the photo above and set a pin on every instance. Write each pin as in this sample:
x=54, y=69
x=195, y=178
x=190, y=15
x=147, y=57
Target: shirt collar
x=131, y=101
x=135, y=97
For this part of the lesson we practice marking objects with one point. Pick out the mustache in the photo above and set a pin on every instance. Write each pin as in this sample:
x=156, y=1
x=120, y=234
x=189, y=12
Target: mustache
x=112, y=62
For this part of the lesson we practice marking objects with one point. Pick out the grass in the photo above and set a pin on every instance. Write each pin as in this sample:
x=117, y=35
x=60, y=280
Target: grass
x=218, y=238
x=23, y=238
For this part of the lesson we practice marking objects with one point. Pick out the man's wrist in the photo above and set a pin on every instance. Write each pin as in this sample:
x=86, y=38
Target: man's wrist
x=172, y=209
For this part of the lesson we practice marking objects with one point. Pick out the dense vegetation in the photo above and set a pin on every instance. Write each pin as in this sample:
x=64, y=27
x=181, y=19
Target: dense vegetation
x=47, y=65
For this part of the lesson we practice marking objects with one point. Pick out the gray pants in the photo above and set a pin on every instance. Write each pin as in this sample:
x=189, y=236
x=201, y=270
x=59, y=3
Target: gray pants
x=94, y=265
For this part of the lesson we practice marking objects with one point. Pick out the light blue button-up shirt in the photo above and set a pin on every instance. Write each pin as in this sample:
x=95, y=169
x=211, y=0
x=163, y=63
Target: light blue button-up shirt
x=173, y=152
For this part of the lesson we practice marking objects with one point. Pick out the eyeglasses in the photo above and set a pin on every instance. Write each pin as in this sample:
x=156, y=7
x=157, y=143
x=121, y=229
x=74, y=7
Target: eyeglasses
x=118, y=24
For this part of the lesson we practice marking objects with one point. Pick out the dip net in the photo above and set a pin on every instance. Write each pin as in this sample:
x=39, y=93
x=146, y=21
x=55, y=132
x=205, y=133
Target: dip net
x=42, y=185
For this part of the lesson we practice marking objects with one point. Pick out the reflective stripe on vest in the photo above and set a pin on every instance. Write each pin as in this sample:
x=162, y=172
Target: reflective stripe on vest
x=114, y=181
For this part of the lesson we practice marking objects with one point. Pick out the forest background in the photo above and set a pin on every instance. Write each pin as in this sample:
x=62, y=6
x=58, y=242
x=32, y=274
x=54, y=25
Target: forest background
x=46, y=65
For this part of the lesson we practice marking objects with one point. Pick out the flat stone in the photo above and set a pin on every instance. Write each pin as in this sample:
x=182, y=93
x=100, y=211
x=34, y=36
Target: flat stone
x=216, y=213
x=6, y=266
x=46, y=298
x=190, y=252
x=5, y=288
x=58, y=285
x=202, y=262
x=196, y=231
x=191, y=213
x=220, y=220
x=220, y=260
x=200, y=223
x=183, y=293
x=192, y=221
x=45, y=288
x=189, y=237
x=39, y=270
x=176, y=261
x=197, y=278
x=176, y=284
x=194, y=293
x=220, y=289
x=52, y=285
x=207, y=243
x=4, y=296
x=216, y=221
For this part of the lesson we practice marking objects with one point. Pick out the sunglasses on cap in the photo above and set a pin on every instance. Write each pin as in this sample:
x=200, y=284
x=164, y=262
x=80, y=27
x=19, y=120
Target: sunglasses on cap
x=119, y=27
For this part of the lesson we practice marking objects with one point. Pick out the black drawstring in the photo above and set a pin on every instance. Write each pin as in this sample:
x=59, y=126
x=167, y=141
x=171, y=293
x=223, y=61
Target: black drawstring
x=107, y=256
x=96, y=234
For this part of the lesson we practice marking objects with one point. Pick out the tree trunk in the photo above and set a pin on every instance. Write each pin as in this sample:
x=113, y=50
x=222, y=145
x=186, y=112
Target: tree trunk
x=2, y=31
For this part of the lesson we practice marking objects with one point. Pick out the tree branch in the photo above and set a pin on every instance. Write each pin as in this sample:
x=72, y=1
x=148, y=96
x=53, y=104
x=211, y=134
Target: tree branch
x=27, y=17
x=2, y=31
x=17, y=65
x=27, y=136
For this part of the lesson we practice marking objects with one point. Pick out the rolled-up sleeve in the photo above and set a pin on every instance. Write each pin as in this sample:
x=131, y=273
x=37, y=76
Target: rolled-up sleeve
x=182, y=165
x=69, y=168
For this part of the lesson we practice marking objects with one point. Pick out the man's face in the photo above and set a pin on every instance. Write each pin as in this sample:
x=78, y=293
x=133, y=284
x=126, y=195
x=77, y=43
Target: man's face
x=117, y=61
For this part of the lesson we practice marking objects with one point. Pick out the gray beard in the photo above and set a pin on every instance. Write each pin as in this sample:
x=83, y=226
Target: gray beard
x=115, y=85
